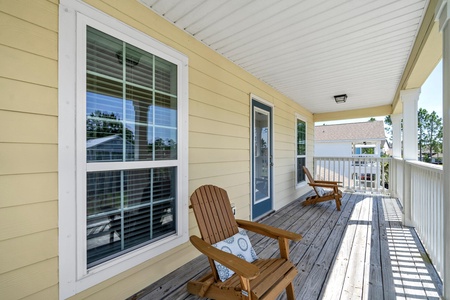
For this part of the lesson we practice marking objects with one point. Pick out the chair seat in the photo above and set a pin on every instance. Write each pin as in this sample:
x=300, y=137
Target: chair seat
x=275, y=276
x=314, y=199
x=327, y=194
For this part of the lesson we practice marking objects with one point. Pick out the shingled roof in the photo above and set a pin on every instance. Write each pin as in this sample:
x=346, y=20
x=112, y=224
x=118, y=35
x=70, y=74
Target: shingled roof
x=352, y=131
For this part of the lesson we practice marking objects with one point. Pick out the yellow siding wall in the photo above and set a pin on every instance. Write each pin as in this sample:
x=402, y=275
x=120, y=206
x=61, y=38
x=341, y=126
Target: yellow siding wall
x=28, y=149
x=219, y=136
x=219, y=143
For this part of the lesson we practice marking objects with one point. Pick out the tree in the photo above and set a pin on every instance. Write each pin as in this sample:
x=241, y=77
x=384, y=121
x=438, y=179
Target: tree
x=102, y=124
x=388, y=126
x=434, y=133
x=368, y=151
x=422, y=116
x=429, y=133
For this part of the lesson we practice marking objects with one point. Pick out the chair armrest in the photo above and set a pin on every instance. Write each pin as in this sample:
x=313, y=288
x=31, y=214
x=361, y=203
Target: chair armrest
x=269, y=231
x=331, y=186
x=327, y=181
x=238, y=265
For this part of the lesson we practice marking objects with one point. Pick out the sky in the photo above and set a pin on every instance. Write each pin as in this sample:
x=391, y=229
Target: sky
x=431, y=92
x=430, y=97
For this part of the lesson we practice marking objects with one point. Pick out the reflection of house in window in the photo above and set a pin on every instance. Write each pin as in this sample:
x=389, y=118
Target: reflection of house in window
x=109, y=148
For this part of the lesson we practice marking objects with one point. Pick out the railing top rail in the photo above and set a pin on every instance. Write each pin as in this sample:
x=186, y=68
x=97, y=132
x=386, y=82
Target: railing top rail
x=352, y=157
x=424, y=165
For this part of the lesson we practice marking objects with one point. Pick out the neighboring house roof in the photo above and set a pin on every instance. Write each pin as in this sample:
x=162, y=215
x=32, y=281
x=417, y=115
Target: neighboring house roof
x=373, y=130
x=98, y=141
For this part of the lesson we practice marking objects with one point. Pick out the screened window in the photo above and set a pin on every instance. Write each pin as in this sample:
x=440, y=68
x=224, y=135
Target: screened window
x=301, y=150
x=131, y=116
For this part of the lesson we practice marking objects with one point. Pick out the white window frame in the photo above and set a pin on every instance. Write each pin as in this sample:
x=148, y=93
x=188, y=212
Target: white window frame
x=74, y=276
x=303, y=119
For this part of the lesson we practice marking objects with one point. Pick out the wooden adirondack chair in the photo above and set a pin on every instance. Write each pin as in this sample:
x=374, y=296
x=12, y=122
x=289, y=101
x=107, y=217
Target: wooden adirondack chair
x=322, y=195
x=261, y=279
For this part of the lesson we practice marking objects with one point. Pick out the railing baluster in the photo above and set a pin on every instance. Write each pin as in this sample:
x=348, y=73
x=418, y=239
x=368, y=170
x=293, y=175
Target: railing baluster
x=427, y=209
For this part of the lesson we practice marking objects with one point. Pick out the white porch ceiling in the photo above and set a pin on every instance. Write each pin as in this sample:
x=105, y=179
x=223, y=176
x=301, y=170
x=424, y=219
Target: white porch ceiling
x=309, y=50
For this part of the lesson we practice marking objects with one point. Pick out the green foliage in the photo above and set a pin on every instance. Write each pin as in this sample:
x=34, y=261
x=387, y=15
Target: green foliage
x=421, y=130
x=434, y=135
x=429, y=133
x=102, y=124
x=388, y=126
x=368, y=151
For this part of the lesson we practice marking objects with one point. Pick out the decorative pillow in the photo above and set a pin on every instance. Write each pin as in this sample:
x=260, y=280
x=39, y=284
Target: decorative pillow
x=320, y=191
x=239, y=245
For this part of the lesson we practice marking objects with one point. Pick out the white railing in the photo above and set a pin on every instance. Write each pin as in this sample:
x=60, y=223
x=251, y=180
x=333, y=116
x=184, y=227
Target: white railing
x=418, y=186
x=427, y=209
x=396, y=178
x=356, y=174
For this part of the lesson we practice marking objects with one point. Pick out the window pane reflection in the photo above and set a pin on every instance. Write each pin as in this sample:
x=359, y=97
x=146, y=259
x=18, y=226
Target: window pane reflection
x=128, y=208
x=131, y=110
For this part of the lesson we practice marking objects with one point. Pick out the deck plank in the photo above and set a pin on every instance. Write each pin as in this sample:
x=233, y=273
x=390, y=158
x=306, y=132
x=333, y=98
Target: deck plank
x=368, y=251
x=312, y=283
x=353, y=284
x=375, y=281
x=386, y=267
x=362, y=251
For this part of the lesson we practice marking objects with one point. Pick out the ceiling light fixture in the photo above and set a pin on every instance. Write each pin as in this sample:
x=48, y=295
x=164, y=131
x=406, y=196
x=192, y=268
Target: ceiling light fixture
x=340, y=98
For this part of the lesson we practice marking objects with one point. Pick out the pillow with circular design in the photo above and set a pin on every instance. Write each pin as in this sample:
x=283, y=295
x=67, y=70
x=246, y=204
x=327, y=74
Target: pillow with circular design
x=239, y=245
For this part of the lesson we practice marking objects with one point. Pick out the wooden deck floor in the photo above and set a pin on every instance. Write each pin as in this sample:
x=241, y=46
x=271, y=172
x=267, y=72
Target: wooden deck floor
x=360, y=252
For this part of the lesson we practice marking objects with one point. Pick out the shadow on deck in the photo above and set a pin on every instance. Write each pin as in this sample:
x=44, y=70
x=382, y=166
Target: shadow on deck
x=362, y=251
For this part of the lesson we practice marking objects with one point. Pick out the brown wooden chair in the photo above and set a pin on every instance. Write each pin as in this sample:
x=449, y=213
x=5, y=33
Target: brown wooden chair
x=323, y=195
x=261, y=279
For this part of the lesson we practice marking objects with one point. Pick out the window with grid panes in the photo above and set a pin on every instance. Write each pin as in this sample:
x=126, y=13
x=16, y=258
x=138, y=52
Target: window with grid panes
x=301, y=150
x=122, y=147
x=131, y=146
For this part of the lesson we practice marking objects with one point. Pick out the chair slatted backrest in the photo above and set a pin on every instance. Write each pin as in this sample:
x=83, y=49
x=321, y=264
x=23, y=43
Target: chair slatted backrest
x=212, y=210
x=310, y=178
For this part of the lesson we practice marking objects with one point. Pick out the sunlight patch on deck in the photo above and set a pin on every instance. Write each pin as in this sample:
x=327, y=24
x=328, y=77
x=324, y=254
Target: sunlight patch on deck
x=376, y=251
x=347, y=278
x=411, y=278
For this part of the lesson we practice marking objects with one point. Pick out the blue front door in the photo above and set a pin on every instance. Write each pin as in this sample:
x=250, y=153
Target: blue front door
x=261, y=159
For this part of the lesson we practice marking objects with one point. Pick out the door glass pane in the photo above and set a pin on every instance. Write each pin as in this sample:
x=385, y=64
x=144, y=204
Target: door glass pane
x=261, y=156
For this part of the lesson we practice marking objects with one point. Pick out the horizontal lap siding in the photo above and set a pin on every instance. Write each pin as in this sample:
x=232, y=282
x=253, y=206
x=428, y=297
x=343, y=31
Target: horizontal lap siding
x=219, y=142
x=285, y=138
x=219, y=136
x=28, y=98
x=28, y=149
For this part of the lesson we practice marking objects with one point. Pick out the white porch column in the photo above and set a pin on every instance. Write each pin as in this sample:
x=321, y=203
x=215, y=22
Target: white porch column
x=396, y=135
x=443, y=16
x=396, y=184
x=409, y=99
